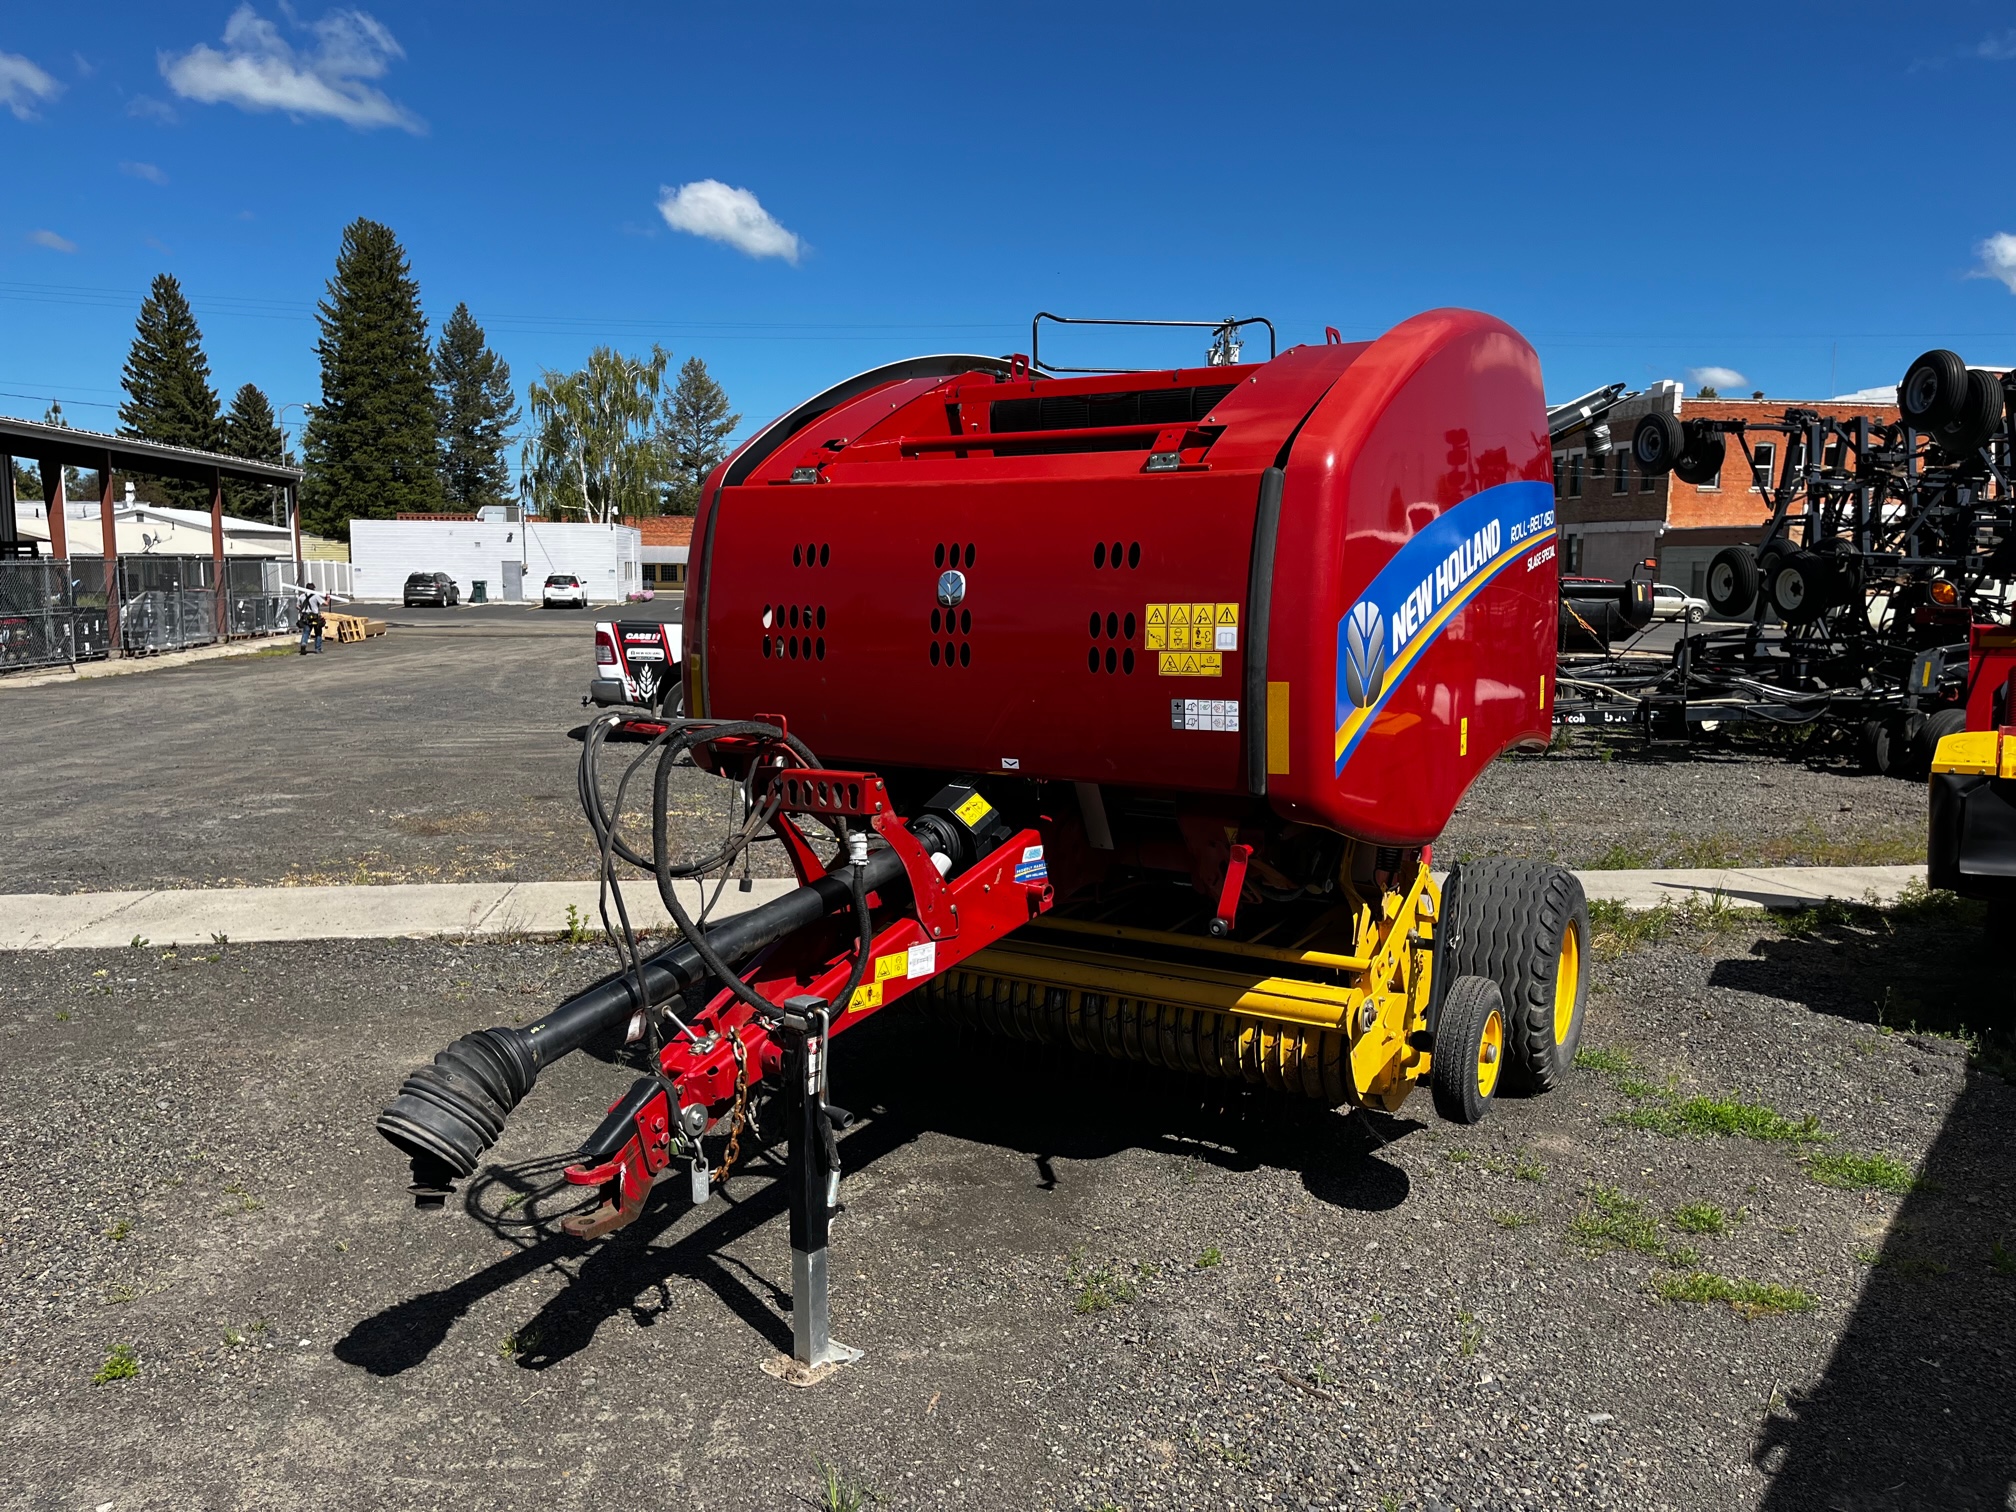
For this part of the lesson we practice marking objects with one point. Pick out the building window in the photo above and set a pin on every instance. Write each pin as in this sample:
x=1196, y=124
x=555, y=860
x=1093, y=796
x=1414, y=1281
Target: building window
x=1620, y=481
x=1647, y=483
x=1764, y=458
x=1575, y=475
x=1558, y=459
x=1571, y=548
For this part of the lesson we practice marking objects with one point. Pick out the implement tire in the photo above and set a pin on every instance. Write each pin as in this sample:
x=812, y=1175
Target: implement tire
x=1525, y=926
x=1470, y=1050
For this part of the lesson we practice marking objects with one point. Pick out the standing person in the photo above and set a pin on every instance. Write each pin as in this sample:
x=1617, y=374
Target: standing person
x=311, y=617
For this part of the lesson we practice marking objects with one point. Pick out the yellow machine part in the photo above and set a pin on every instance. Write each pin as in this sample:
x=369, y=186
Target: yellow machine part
x=1335, y=1025
x=1978, y=752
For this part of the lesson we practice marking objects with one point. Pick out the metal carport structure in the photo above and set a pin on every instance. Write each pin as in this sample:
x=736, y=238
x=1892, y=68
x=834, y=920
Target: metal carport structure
x=54, y=447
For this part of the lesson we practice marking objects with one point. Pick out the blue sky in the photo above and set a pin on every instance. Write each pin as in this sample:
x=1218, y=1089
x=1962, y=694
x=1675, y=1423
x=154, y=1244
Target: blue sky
x=1628, y=191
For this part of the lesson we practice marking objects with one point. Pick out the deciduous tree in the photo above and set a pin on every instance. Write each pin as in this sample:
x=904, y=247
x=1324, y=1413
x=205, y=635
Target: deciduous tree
x=594, y=445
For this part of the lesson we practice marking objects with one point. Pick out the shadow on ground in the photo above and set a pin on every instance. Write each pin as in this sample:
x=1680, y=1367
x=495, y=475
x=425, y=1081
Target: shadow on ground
x=1917, y=1406
x=906, y=1073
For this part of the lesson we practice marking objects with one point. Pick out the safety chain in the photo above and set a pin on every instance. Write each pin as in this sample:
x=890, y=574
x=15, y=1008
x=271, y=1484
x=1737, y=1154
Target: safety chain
x=736, y=1114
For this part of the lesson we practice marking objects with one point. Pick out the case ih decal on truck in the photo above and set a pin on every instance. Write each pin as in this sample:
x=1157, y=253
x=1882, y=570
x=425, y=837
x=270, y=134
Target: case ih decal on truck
x=637, y=662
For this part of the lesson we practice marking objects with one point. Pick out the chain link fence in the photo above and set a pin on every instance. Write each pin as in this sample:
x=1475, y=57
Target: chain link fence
x=166, y=603
x=260, y=602
x=37, y=615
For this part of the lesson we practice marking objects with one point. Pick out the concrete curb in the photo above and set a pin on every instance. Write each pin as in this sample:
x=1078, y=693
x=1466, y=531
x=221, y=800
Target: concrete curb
x=195, y=916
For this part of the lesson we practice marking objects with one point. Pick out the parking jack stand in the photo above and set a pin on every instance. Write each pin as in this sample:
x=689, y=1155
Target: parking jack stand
x=812, y=1174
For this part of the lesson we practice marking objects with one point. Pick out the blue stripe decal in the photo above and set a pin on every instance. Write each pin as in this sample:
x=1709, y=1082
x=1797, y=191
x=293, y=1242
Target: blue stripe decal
x=1426, y=584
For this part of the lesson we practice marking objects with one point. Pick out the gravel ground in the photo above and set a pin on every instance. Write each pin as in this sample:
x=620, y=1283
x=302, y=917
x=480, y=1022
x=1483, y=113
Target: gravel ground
x=1618, y=804
x=437, y=753
x=1123, y=1292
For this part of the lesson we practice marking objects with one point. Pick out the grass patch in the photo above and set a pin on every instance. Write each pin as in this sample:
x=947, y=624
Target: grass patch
x=122, y=1364
x=1511, y=1220
x=1916, y=1266
x=1614, y=1062
x=1722, y=1118
x=1623, y=857
x=1612, y=1221
x=120, y=1230
x=1212, y=1255
x=1619, y=930
x=1860, y=1173
x=1752, y=1299
x=838, y=1491
x=1699, y=1218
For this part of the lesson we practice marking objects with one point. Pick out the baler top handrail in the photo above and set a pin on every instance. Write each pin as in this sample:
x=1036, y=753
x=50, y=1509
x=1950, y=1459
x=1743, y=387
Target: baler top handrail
x=1035, y=336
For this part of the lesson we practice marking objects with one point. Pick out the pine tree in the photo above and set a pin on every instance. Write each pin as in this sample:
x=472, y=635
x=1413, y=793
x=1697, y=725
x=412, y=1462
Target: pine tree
x=371, y=443
x=696, y=426
x=168, y=393
x=252, y=431
x=473, y=389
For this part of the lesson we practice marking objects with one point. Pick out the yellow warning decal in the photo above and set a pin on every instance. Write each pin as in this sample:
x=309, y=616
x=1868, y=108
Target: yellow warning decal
x=973, y=810
x=1157, y=614
x=868, y=995
x=1191, y=664
x=1158, y=635
x=1228, y=614
x=1179, y=614
x=892, y=966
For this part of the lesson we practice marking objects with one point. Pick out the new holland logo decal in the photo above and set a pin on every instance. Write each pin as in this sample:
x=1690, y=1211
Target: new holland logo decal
x=1426, y=583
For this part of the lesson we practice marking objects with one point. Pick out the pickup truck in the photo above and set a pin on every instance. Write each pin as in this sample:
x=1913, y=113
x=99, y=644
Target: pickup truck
x=638, y=664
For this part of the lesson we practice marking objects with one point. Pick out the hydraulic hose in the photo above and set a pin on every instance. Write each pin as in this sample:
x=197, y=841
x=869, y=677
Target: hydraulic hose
x=450, y=1111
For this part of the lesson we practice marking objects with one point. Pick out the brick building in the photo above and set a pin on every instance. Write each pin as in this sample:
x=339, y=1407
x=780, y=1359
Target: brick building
x=1613, y=516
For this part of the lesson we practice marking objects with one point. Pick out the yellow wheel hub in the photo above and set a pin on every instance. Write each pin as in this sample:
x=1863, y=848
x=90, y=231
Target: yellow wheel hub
x=1567, y=983
x=1490, y=1053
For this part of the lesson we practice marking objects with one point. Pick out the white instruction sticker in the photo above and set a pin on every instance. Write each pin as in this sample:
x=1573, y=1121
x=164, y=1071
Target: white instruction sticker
x=1226, y=638
x=1204, y=714
x=924, y=960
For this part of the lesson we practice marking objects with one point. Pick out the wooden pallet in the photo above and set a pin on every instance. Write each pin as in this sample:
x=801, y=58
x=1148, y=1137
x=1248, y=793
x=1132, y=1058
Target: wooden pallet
x=344, y=628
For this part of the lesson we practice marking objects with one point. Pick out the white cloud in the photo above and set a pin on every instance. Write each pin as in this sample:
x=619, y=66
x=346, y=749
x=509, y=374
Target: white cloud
x=258, y=69
x=1717, y=378
x=145, y=171
x=710, y=208
x=23, y=86
x=147, y=108
x=1997, y=49
x=1998, y=260
x=52, y=241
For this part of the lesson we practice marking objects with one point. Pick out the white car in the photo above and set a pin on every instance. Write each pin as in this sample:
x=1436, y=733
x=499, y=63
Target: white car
x=564, y=591
x=1670, y=603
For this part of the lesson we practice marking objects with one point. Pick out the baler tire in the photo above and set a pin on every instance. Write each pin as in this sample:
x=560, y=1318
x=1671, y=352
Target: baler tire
x=1471, y=1049
x=1525, y=926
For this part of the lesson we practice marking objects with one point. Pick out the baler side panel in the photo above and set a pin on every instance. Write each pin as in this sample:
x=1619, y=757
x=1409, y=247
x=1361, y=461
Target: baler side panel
x=1414, y=613
x=1028, y=673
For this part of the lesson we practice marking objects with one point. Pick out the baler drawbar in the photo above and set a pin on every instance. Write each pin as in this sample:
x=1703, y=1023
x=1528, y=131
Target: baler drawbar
x=1139, y=699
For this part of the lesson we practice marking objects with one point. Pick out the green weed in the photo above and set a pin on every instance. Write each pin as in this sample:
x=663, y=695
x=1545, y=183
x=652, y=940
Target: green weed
x=2001, y=1259
x=1468, y=1334
x=122, y=1364
x=1857, y=1173
x=838, y=1491
x=1526, y=1168
x=1612, y=1221
x=576, y=932
x=1751, y=1298
x=1616, y=1062
x=1699, y=1218
x=119, y=1231
x=1512, y=1220
x=1211, y=1256
x=1099, y=1287
x=1722, y=1118
x=139, y=942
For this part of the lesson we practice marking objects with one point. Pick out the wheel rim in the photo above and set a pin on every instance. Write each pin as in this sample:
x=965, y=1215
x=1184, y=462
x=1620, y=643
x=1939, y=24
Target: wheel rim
x=1792, y=589
x=1490, y=1053
x=1722, y=582
x=1567, y=983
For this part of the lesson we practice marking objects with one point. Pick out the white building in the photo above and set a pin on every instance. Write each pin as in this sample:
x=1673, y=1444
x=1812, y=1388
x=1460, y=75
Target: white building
x=512, y=557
